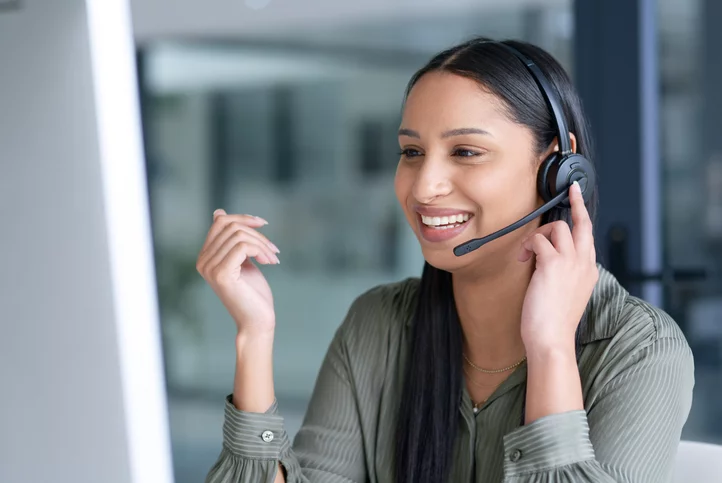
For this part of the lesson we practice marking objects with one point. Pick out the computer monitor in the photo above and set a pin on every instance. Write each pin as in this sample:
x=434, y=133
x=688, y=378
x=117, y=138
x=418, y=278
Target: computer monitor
x=82, y=393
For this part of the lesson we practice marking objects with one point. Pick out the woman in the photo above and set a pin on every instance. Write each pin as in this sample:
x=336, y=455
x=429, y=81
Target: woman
x=521, y=361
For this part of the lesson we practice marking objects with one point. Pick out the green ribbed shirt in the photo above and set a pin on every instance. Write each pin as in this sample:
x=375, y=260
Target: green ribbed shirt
x=637, y=376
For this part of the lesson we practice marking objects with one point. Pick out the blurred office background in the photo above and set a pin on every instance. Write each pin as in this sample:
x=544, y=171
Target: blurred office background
x=289, y=110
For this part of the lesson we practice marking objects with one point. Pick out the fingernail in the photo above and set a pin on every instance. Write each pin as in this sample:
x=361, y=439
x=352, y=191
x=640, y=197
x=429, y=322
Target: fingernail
x=217, y=212
x=261, y=219
x=274, y=247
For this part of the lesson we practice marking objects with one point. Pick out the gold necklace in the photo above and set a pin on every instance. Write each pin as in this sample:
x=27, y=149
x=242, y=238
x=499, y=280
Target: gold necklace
x=493, y=371
x=477, y=406
x=468, y=378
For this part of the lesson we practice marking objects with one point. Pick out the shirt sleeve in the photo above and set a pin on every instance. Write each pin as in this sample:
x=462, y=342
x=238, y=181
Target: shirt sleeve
x=328, y=448
x=252, y=446
x=630, y=434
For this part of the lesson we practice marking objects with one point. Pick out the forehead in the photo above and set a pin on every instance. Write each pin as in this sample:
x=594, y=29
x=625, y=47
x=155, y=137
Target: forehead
x=452, y=99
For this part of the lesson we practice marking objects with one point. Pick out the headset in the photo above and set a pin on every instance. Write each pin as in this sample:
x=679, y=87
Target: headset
x=556, y=173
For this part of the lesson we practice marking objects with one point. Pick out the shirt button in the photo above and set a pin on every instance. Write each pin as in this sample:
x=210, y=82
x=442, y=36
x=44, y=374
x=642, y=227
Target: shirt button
x=267, y=436
x=516, y=455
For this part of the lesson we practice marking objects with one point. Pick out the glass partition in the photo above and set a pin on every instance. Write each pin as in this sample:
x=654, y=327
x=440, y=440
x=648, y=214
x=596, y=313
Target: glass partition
x=301, y=130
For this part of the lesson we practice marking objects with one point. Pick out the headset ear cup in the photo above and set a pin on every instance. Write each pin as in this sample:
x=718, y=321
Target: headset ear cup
x=543, y=177
x=574, y=167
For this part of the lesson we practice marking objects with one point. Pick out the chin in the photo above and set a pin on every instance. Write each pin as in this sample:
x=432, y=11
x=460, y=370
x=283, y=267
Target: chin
x=444, y=258
x=491, y=257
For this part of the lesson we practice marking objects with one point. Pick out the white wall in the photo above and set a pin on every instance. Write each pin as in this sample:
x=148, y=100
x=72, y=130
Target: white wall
x=67, y=381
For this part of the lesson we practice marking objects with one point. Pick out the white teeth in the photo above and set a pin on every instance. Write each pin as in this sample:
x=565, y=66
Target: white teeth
x=444, y=222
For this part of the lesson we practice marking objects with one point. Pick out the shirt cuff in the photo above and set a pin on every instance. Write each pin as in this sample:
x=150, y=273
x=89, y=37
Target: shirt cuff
x=549, y=442
x=257, y=436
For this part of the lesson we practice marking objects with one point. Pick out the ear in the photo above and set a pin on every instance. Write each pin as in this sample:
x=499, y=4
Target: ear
x=573, y=139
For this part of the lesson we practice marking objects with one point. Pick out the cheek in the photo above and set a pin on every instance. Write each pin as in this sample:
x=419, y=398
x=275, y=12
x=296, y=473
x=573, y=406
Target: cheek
x=487, y=188
x=402, y=185
x=502, y=193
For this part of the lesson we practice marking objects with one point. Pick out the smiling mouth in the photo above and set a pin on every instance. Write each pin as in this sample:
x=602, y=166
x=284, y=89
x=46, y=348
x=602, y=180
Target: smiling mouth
x=445, y=222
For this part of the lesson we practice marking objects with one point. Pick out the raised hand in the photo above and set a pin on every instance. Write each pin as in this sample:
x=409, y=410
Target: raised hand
x=564, y=278
x=225, y=263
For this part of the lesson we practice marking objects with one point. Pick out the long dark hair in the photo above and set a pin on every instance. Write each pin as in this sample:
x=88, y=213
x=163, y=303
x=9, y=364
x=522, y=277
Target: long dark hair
x=429, y=410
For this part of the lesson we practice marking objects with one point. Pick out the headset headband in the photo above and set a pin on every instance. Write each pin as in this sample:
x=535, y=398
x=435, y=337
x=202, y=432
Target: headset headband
x=550, y=95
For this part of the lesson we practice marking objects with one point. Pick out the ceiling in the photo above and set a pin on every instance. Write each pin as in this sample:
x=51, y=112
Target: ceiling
x=162, y=19
x=277, y=39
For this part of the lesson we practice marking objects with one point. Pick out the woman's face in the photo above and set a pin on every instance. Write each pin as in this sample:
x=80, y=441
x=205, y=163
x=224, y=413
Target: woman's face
x=466, y=170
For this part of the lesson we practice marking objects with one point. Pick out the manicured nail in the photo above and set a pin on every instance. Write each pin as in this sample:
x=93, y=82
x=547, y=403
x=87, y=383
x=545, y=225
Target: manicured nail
x=274, y=247
x=579, y=188
x=217, y=212
x=261, y=219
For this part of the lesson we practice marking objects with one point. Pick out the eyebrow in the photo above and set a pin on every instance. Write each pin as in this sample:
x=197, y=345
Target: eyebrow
x=447, y=134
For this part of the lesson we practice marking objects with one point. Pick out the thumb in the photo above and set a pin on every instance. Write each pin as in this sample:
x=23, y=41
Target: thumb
x=218, y=212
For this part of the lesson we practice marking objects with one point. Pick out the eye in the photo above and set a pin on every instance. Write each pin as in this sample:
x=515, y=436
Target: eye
x=410, y=153
x=466, y=153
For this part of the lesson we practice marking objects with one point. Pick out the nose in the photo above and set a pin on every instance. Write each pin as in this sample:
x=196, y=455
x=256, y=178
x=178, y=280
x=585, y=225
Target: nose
x=433, y=181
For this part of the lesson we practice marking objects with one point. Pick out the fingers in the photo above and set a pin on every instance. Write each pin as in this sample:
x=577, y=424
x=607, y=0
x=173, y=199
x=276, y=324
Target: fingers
x=559, y=235
x=233, y=227
x=236, y=257
x=226, y=233
x=220, y=263
x=582, y=225
x=221, y=220
x=247, y=219
x=539, y=245
x=264, y=254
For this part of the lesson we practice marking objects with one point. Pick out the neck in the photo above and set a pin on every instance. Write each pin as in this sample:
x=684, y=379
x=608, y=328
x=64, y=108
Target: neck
x=489, y=305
